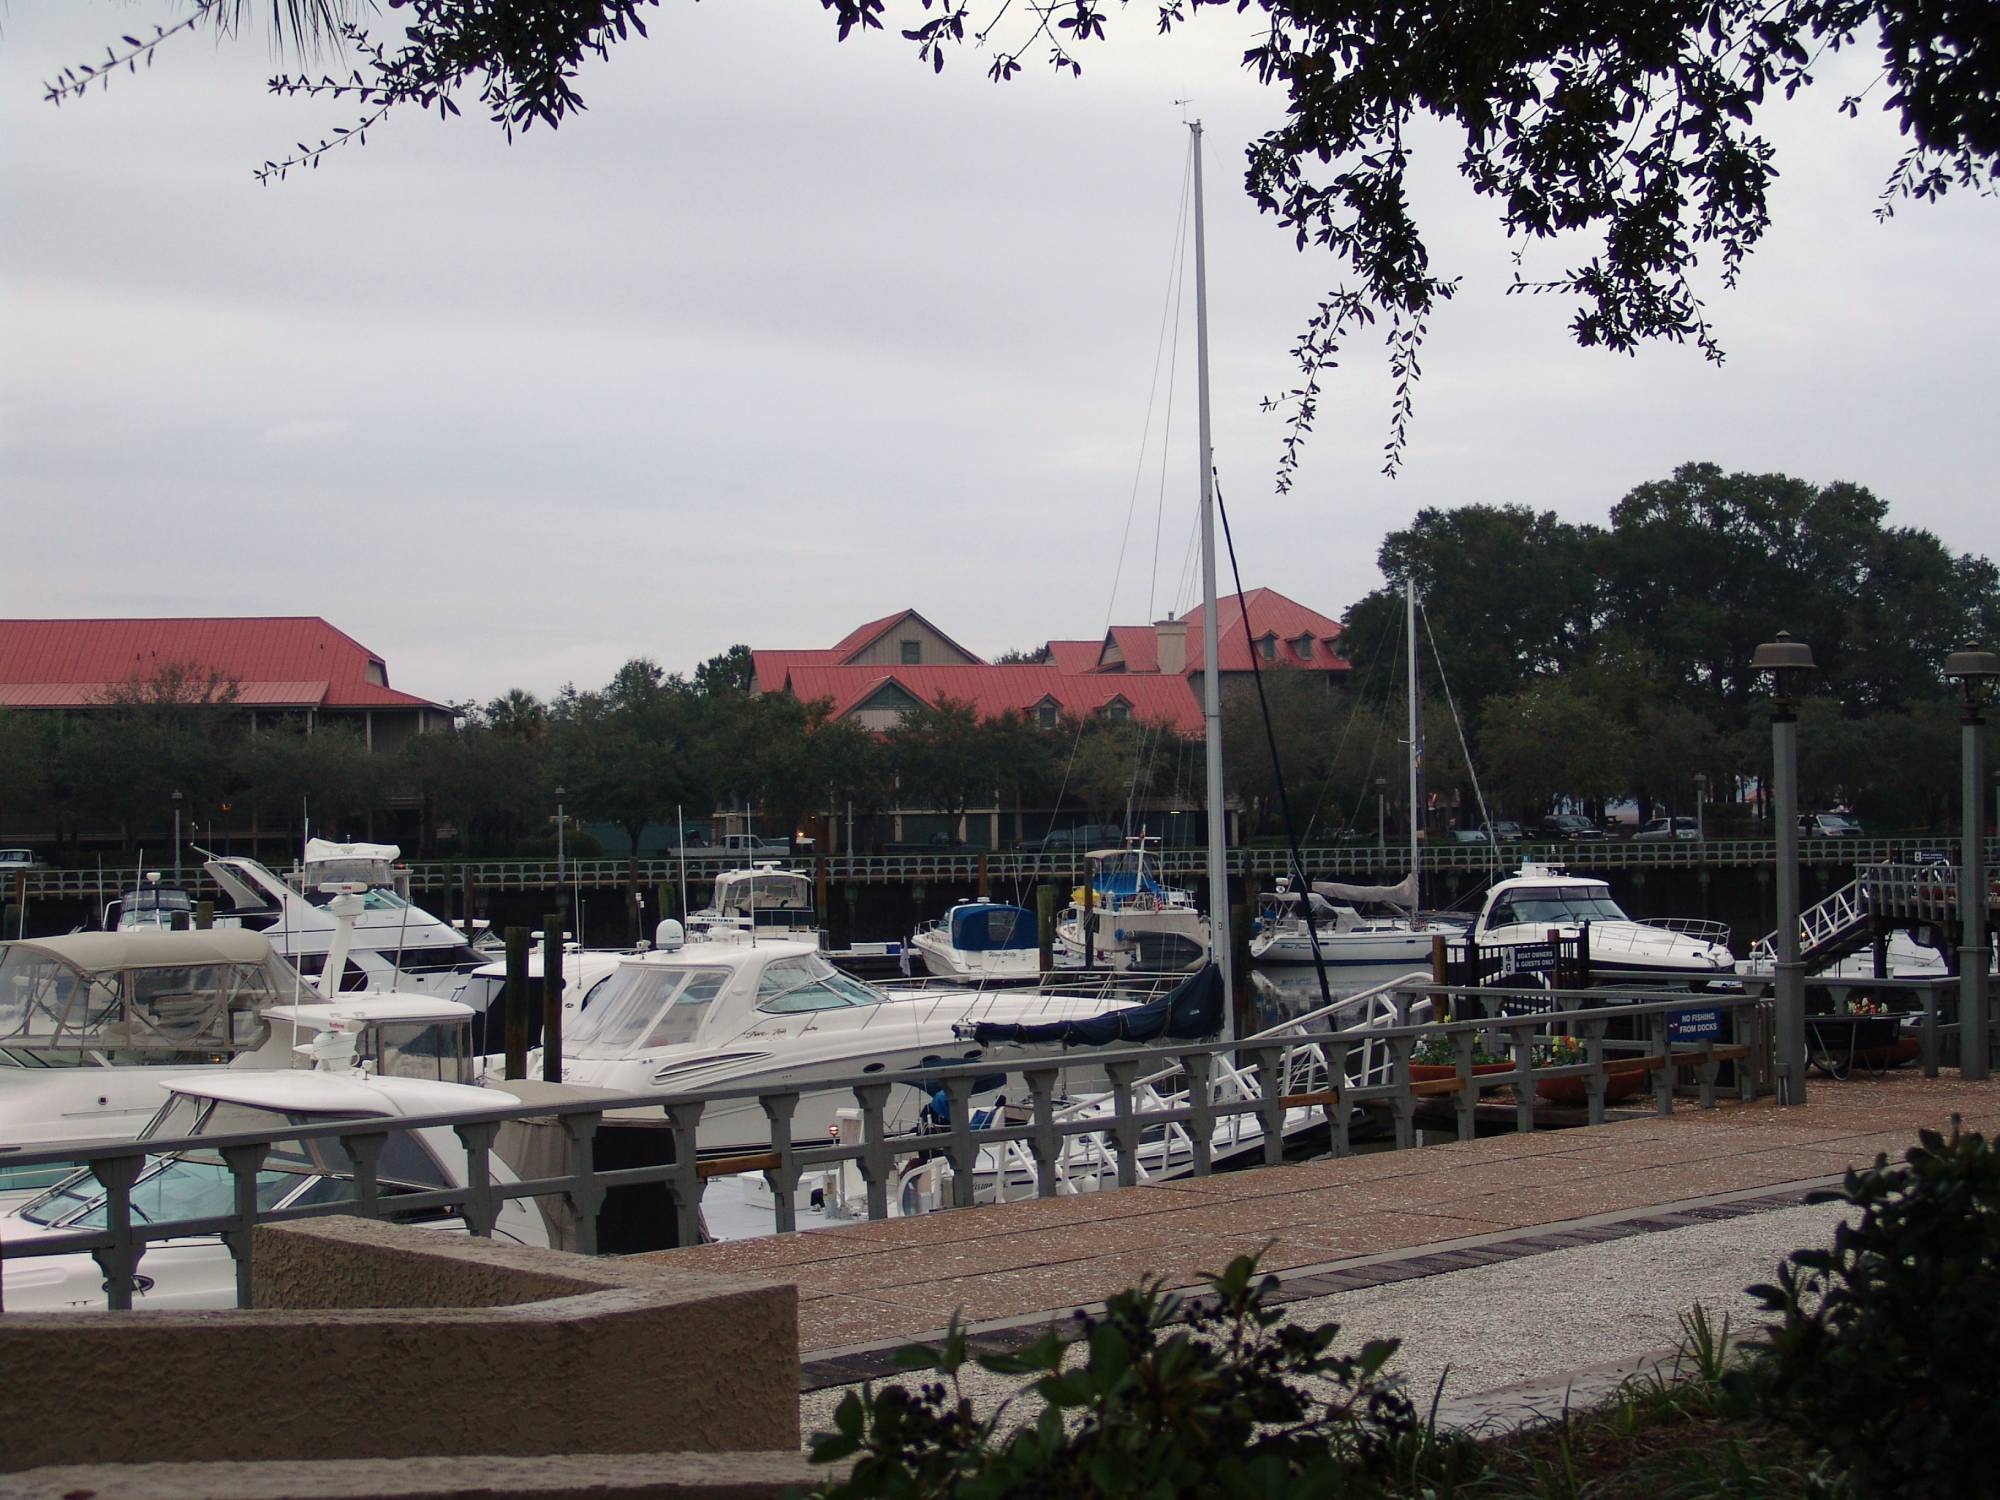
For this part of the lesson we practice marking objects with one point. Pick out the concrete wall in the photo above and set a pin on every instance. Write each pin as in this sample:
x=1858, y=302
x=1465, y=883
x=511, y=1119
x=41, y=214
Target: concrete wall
x=379, y=1341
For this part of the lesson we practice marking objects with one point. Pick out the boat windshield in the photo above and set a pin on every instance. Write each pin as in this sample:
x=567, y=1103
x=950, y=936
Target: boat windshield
x=646, y=1005
x=198, y=1184
x=1556, y=906
x=792, y=985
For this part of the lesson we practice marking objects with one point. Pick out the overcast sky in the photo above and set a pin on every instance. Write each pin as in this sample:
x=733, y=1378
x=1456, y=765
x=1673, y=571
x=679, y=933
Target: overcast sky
x=783, y=335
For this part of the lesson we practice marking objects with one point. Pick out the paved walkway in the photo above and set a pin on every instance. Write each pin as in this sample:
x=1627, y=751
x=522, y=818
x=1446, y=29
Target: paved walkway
x=1334, y=1225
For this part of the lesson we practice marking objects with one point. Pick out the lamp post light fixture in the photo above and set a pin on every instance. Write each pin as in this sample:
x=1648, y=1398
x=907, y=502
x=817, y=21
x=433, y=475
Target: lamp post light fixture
x=177, y=836
x=1972, y=669
x=1789, y=662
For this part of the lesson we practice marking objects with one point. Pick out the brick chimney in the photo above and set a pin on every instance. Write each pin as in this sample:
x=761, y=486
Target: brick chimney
x=1170, y=644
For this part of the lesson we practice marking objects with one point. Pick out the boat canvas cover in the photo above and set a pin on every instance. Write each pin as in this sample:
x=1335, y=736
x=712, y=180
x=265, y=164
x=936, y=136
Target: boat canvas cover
x=326, y=852
x=1189, y=1012
x=989, y=929
x=1403, y=893
x=144, y=991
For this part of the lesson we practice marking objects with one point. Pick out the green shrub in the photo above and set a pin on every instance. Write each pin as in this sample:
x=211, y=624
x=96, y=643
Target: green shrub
x=1888, y=1344
x=1171, y=1397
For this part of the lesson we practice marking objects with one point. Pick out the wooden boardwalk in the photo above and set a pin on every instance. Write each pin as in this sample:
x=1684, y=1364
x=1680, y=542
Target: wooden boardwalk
x=1333, y=1224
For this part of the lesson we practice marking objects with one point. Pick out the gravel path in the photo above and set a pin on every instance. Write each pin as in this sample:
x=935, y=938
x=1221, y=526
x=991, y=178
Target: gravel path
x=1536, y=1319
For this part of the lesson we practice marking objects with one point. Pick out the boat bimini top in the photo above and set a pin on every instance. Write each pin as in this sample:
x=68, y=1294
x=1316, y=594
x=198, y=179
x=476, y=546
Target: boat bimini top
x=141, y=994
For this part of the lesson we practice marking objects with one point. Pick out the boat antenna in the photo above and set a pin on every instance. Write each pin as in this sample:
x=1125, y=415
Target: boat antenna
x=681, y=838
x=1211, y=676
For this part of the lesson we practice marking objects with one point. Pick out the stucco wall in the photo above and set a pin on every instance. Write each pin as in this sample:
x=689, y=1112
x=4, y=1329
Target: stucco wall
x=381, y=1341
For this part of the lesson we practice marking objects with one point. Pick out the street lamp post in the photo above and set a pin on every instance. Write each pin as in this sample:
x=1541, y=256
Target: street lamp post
x=1972, y=669
x=1700, y=797
x=177, y=837
x=1788, y=661
x=1381, y=812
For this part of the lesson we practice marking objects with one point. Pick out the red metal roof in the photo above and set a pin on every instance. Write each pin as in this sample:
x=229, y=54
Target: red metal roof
x=1074, y=656
x=993, y=690
x=276, y=661
x=1271, y=613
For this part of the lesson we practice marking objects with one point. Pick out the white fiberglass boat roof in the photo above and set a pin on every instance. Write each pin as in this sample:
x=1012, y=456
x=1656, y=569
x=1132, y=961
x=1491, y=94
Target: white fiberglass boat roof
x=368, y=1008
x=339, y=1093
x=147, y=947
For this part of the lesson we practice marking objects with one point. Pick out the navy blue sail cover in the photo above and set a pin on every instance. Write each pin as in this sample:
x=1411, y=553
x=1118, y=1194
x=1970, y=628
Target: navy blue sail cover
x=1189, y=1012
x=992, y=927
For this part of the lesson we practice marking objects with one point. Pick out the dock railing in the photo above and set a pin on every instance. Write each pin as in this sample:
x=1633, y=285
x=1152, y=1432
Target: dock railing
x=1271, y=1078
x=1015, y=866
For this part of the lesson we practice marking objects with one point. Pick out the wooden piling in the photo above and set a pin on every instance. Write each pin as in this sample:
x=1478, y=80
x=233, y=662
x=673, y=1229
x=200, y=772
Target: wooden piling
x=985, y=890
x=515, y=1001
x=552, y=997
x=1045, y=925
x=466, y=897
x=204, y=915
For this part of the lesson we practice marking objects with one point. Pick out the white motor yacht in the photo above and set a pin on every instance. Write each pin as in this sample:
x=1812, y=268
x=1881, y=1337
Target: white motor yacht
x=396, y=946
x=1544, y=898
x=777, y=1014
x=1133, y=921
x=96, y=1027
x=983, y=943
x=192, y=1183
x=768, y=898
x=1344, y=935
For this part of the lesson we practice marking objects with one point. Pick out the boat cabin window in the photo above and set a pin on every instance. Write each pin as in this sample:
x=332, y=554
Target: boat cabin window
x=647, y=1005
x=436, y=1050
x=774, y=890
x=792, y=985
x=1557, y=906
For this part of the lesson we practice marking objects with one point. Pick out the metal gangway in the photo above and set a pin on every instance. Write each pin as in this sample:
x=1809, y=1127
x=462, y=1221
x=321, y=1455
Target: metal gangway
x=1880, y=896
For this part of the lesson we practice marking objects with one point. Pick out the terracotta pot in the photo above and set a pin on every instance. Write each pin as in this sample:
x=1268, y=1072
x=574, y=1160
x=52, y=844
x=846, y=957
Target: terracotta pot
x=1427, y=1072
x=1621, y=1081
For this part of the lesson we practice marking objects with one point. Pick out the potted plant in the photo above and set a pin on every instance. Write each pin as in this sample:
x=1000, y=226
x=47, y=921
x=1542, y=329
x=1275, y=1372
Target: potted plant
x=1436, y=1057
x=1622, y=1079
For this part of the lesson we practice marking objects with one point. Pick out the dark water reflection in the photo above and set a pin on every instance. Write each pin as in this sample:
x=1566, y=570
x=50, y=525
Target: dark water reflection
x=1284, y=992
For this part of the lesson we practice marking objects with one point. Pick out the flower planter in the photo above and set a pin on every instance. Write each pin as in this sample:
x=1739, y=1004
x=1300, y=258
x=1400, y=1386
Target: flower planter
x=1621, y=1081
x=1432, y=1072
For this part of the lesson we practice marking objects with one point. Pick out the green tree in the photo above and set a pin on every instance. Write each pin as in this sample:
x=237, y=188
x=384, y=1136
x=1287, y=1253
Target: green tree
x=517, y=714
x=1552, y=739
x=629, y=754
x=491, y=784
x=943, y=758
x=289, y=772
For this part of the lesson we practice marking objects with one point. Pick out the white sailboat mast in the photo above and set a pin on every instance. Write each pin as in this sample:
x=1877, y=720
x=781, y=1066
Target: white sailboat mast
x=1416, y=742
x=1211, y=675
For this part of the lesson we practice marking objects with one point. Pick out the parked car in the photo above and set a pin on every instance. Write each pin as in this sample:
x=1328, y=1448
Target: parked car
x=1660, y=829
x=1830, y=825
x=1469, y=836
x=1507, y=832
x=1072, y=840
x=17, y=859
x=1571, y=828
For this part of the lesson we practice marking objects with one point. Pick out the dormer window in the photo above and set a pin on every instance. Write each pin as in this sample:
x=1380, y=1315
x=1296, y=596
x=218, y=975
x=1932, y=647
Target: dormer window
x=1117, y=710
x=1269, y=646
x=1046, y=713
x=1303, y=648
x=913, y=653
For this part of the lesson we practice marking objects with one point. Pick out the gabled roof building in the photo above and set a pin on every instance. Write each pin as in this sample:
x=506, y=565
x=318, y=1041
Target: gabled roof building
x=1151, y=673
x=269, y=666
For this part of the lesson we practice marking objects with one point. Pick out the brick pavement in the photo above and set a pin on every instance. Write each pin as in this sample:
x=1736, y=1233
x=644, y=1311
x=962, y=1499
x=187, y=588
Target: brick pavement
x=1332, y=1224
